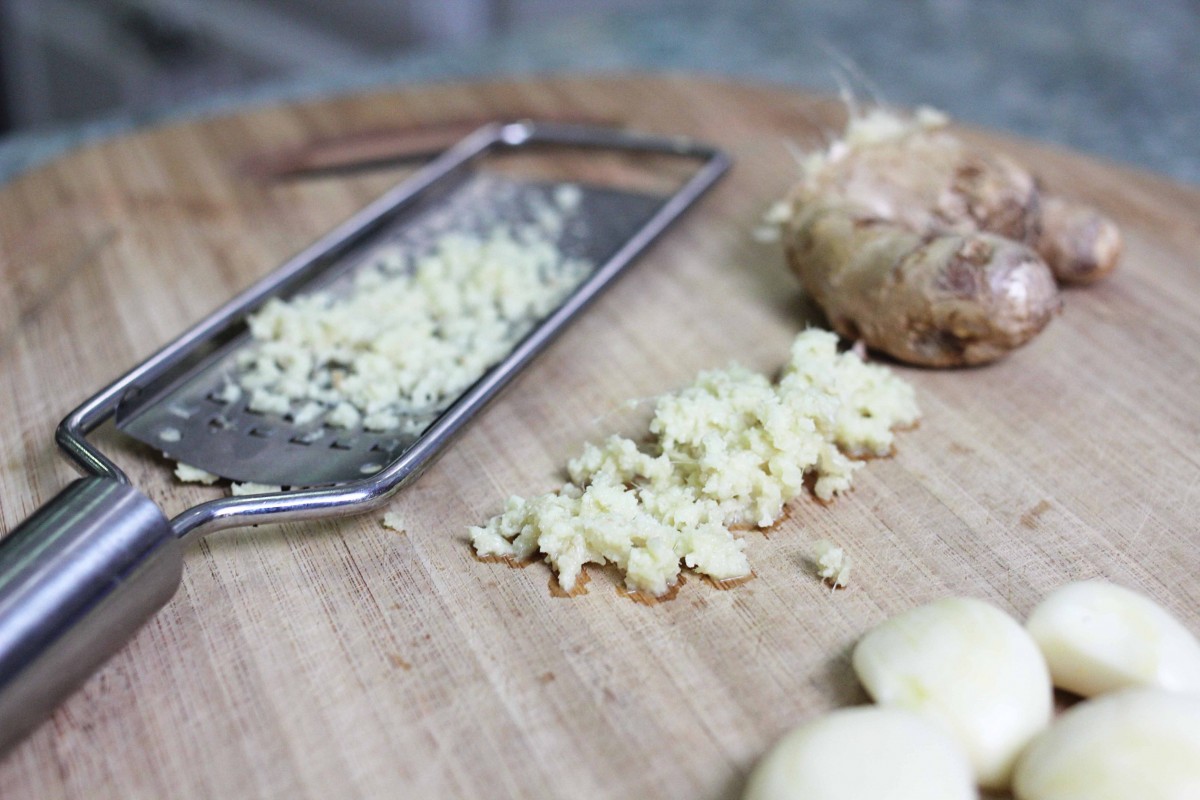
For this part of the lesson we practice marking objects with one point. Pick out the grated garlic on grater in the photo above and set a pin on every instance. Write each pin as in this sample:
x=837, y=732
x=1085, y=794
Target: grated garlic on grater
x=416, y=329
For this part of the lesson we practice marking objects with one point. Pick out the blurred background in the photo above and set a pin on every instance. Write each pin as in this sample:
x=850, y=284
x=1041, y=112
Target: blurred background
x=74, y=59
x=1116, y=78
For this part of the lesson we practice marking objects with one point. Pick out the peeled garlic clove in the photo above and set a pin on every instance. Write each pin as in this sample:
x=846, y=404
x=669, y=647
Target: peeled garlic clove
x=861, y=753
x=1098, y=637
x=970, y=668
x=1136, y=743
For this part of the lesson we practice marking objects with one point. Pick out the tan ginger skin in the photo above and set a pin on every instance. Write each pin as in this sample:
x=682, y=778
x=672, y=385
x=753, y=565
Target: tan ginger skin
x=934, y=252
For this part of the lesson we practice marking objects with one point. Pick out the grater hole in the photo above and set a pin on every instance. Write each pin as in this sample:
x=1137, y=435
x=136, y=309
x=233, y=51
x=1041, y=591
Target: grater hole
x=343, y=444
x=222, y=397
x=307, y=438
x=261, y=433
x=180, y=411
x=219, y=423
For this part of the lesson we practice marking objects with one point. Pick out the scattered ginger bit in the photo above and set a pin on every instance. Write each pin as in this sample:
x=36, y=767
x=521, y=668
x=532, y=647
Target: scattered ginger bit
x=832, y=564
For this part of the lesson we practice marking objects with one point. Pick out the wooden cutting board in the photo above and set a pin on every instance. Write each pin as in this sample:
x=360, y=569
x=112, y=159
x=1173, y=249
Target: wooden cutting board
x=340, y=659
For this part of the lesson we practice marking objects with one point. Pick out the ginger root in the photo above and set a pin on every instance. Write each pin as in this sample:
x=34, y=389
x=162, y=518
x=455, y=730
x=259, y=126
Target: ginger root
x=1079, y=243
x=932, y=251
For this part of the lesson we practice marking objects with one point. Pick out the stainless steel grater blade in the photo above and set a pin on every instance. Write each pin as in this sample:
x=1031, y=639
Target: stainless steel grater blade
x=82, y=574
x=190, y=421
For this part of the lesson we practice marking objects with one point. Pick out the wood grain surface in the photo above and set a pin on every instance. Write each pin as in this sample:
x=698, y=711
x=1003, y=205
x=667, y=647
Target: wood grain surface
x=341, y=659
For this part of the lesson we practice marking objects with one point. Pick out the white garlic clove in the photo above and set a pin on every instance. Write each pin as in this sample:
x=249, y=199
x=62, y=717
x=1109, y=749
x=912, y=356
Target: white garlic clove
x=860, y=753
x=970, y=668
x=1136, y=743
x=1098, y=637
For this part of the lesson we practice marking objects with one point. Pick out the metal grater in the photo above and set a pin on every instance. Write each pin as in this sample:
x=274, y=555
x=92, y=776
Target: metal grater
x=81, y=575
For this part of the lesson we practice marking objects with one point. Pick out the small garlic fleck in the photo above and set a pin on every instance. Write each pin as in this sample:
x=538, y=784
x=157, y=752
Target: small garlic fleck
x=248, y=488
x=393, y=521
x=189, y=474
x=832, y=563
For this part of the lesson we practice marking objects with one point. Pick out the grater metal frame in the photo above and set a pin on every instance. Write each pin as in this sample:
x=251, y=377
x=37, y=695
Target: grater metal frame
x=81, y=575
x=373, y=491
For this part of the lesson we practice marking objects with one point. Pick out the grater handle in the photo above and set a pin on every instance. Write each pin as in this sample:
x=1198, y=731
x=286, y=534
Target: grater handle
x=77, y=580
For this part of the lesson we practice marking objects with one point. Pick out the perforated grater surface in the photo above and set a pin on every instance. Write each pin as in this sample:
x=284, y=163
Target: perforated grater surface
x=81, y=575
x=189, y=419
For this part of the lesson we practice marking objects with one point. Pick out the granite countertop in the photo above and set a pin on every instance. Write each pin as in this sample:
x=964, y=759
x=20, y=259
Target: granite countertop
x=1114, y=78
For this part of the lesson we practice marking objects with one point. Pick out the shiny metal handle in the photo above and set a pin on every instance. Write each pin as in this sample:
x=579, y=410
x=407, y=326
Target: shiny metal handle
x=77, y=579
